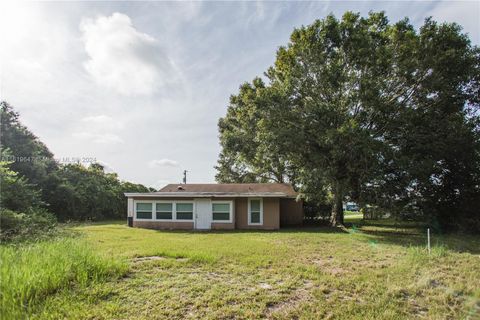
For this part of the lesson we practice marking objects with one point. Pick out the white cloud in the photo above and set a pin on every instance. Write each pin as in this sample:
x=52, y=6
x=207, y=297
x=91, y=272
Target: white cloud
x=163, y=163
x=100, y=138
x=103, y=121
x=123, y=59
x=100, y=129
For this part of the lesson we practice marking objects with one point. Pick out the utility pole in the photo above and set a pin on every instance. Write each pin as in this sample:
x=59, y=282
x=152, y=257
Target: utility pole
x=185, y=176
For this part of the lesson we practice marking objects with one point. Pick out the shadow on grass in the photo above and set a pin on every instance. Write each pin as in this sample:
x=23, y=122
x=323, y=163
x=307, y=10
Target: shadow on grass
x=314, y=229
x=93, y=223
x=455, y=242
x=299, y=229
x=415, y=234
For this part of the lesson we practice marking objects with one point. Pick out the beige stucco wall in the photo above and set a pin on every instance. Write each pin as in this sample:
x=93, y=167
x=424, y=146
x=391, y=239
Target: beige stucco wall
x=291, y=212
x=176, y=225
x=164, y=225
x=223, y=226
x=271, y=214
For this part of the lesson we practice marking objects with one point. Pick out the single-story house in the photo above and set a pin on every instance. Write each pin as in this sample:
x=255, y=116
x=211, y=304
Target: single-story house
x=266, y=206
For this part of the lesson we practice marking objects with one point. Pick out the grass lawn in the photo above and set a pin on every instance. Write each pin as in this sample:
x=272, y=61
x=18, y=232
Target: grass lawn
x=367, y=271
x=352, y=215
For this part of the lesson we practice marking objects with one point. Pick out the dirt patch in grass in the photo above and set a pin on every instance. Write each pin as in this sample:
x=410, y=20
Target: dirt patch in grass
x=156, y=258
x=265, y=286
x=146, y=259
x=298, y=296
x=203, y=292
x=151, y=258
x=329, y=266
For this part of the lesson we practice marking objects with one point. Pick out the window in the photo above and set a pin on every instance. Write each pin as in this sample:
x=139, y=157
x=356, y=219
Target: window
x=144, y=210
x=164, y=211
x=184, y=211
x=255, y=211
x=221, y=211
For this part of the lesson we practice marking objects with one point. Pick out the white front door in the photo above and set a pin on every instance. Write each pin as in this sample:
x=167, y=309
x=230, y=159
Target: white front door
x=203, y=214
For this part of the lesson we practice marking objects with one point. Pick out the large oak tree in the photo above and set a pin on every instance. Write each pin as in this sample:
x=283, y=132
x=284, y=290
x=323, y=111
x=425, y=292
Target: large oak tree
x=362, y=108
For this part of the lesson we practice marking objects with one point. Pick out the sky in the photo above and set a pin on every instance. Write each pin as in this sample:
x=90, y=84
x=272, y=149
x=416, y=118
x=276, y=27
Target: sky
x=140, y=86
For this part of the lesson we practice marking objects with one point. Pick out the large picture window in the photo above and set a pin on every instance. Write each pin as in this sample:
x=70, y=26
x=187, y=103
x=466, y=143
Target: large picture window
x=184, y=211
x=221, y=211
x=164, y=211
x=144, y=210
x=255, y=211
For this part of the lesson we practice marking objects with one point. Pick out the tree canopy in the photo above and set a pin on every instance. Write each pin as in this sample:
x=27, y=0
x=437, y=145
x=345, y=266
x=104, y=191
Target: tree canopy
x=359, y=108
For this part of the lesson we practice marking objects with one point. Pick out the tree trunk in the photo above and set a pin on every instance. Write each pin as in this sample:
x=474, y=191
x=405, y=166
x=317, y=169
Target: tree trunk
x=337, y=209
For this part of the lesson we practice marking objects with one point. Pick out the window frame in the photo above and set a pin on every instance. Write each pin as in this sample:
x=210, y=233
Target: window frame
x=154, y=210
x=230, y=213
x=135, y=208
x=192, y=202
x=250, y=223
x=173, y=209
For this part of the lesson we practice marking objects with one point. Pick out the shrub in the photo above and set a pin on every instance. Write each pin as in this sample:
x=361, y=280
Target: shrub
x=314, y=210
x=33, y=225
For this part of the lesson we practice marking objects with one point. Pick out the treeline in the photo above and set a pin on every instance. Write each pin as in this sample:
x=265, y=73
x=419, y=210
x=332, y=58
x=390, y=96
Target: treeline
x=34, y=184
x=359, y=109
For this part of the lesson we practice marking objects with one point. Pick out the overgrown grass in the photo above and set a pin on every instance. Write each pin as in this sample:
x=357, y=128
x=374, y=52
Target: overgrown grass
x=34, y=225
x=370, y=271
x=29, y=273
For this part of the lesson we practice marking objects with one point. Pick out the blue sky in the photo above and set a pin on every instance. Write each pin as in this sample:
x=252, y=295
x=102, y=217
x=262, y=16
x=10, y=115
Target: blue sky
x=140, y=86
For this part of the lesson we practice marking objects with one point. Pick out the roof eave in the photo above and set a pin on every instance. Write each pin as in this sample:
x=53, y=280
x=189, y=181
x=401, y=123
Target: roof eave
x=208, y=195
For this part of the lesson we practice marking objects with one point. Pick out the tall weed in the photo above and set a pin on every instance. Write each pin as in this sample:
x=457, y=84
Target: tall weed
x=31, y=272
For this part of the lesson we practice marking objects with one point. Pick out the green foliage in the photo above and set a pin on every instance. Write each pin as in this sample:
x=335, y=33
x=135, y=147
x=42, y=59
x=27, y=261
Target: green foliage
x=361, y=109
x=33, y=225
x=431, y=173
x=249, y=154
x=31, y=158
x=90, y=193
x=30, y=273
x=16, y=192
